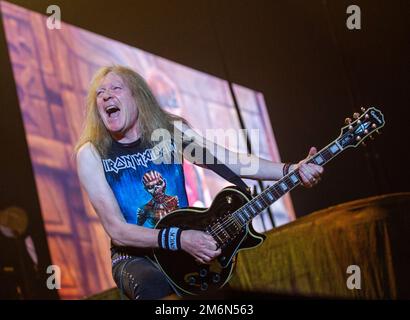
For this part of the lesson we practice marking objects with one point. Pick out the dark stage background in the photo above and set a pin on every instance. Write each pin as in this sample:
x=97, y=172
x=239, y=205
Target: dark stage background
x=312, y=70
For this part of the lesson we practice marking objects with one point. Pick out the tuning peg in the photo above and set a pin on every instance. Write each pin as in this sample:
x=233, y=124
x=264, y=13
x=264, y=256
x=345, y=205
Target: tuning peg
x=371, y=137
x=363, y=109
x=356, y=115
x=379, y=132
x=364, y=145
x=348, y=121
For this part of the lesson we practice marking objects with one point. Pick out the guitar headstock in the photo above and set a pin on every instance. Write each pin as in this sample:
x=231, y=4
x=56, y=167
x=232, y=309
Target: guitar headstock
x=358, y=130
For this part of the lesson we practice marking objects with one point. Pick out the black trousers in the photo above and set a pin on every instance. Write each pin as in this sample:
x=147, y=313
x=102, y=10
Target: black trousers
x=138, y=277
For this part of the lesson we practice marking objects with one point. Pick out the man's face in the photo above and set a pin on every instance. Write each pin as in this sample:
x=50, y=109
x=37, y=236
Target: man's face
x=116, y=105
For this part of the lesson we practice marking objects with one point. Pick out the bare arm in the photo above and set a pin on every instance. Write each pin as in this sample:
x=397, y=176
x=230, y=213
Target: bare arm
x=91, y=174
x=252, y=167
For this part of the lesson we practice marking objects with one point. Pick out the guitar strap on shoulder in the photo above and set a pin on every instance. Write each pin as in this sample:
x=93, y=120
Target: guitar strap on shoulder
x=219, y=168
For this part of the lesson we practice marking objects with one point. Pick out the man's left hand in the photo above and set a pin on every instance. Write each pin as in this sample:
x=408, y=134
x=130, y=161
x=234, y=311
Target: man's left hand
x=310, y=173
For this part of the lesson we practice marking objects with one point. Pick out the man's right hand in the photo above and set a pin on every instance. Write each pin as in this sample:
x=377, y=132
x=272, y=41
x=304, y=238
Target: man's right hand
x=200, y=245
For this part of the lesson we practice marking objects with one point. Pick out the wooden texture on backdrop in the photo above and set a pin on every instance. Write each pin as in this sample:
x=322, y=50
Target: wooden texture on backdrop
x=52, y=70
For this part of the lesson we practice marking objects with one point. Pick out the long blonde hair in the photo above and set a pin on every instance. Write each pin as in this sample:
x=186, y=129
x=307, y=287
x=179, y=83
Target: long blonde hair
x=150, y=115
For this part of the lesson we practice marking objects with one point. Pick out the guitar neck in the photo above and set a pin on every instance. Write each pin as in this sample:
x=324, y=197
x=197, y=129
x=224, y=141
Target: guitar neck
x=259, y=203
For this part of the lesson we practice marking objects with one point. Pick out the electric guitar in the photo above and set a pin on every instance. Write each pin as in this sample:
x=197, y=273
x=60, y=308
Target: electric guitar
x=228, y=219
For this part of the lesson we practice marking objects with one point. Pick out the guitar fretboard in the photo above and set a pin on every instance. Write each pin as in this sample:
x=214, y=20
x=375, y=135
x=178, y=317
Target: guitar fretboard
x=250, y=210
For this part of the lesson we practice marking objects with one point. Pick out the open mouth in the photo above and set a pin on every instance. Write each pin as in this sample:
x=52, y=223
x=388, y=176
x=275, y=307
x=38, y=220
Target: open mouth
x=112, y=111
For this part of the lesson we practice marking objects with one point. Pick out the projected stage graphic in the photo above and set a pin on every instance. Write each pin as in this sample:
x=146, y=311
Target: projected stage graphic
x=52, y=70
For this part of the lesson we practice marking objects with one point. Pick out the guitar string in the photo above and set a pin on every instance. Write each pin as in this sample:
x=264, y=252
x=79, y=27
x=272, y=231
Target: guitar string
x=233, y=218
x=229, y=221
x=220, y=228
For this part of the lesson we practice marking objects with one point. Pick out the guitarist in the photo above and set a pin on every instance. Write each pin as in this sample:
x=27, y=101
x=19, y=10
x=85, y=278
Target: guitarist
x=131, y=182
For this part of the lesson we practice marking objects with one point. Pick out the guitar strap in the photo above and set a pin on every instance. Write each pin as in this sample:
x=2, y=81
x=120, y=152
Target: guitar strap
x=218, y=167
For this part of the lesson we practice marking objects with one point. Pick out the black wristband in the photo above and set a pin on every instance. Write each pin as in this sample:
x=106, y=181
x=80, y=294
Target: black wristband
x=170, y=238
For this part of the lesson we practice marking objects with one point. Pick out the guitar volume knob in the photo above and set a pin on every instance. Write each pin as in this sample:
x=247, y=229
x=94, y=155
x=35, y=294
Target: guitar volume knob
x=203, y=272
x=204, y=286
x=216, y=278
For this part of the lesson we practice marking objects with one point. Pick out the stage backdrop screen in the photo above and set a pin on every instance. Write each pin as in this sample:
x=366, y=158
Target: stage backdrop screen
x=52, y=71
